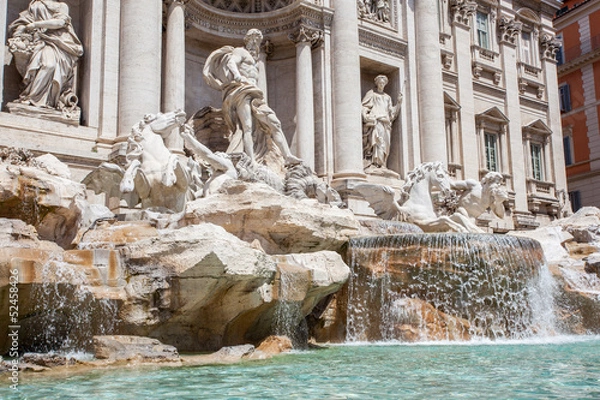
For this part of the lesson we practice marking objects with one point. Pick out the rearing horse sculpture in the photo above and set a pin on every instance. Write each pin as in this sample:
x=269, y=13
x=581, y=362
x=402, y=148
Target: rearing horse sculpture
x=416, y=202
x=153, y=175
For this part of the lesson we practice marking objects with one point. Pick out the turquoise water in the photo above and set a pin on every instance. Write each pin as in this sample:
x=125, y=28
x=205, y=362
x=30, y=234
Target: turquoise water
x=566, y=368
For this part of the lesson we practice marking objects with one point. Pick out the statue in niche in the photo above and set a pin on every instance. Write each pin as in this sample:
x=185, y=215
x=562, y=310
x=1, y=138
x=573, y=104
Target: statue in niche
x=378, y=114
x=46, y=51
x=255, y=127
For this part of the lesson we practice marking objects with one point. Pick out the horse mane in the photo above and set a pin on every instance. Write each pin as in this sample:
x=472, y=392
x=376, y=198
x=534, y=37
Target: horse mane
x=417, y=175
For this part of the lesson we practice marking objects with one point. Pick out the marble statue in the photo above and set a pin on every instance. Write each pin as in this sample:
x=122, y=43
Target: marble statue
x=153, y=176
x=378, y=114
x=220, y=166
x=475, y=198
x=416, y=203
x=234, y=71
x=46, y=51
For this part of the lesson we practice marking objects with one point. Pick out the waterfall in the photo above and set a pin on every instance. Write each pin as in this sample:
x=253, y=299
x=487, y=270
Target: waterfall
x=448, y=286
x=288, y=316
x=65, y=313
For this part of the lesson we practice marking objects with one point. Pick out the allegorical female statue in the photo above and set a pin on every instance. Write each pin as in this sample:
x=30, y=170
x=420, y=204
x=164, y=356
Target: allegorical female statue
x=46, y=51
x=378, y=113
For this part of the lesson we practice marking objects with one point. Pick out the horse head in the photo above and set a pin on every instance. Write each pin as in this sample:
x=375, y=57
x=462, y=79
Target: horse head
x=163, y=123
x=438, y=177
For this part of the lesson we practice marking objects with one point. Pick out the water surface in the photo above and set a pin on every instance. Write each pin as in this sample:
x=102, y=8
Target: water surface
x=562, y=368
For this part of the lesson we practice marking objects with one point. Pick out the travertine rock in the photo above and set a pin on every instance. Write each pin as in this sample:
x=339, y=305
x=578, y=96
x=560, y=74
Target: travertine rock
x=122, y=347
x=584, y=225
x=552, y=239
x=254, y=211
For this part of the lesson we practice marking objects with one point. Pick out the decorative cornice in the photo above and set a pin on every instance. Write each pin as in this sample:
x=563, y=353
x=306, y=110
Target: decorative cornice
x=509, y=30
x=462, y=10
x=385, y=44
x=279, y=23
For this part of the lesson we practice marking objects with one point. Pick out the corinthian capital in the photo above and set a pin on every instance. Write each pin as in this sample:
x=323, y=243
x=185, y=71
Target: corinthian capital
x=303, y=34
x=549, y=45
x=462, y=10
x=509, y=29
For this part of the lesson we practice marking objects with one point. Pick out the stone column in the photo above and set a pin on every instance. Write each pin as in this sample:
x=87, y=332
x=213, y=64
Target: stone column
x=174, y=63
x=348, y=154
x=429, y=82
x=3, y=23
x=509, y=32
x=305, y=115
x=140, y=61
x=266, y=49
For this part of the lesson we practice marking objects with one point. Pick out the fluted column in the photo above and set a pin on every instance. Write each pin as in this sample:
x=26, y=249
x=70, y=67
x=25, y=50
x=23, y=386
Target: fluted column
x=348, y=157
x=429, y=82
x=140, y=61
x=305, y=116
x=174, y=84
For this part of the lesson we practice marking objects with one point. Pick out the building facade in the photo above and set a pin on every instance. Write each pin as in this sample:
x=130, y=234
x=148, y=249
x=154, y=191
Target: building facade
x=578, y=24
x=477, y=81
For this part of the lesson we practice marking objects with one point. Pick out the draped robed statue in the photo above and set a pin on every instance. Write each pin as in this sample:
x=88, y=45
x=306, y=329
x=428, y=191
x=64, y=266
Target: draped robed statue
x=378, y=114
x=46, y=51
x=234, y=71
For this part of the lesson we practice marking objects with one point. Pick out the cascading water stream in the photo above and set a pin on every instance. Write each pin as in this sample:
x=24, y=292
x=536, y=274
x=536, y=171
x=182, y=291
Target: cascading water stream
x=448, y=287
x=288, y=314
x=65, y=312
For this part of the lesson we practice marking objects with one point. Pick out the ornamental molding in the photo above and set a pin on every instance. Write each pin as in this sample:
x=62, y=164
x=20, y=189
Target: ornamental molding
x=509, y=30
x=275, y=24
x=385, y=44
x=462, y=10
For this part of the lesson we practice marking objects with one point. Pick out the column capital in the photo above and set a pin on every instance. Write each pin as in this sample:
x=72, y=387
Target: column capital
x=461, y=11
x=550, y=46
x=306, y=35
x=509, y=30
x=267, y=48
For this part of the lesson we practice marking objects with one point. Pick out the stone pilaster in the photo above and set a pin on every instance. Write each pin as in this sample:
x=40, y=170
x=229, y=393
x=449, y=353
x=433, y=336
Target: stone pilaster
x=140, y=61
x=549, y=47
x=429, y=82
x=174, y=64
x=348, y=152
x=462, y=37
x=304, y=39
x=509, y=31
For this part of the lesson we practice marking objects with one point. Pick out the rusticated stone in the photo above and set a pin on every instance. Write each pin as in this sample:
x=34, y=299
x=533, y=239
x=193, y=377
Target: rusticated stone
x=123, y=347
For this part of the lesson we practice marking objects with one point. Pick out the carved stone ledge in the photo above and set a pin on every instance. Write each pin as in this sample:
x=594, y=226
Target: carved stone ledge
x=385, y=44
x=71, y=117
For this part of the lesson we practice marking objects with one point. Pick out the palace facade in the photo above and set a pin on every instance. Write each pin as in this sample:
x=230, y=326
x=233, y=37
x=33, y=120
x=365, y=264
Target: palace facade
x=478, y=81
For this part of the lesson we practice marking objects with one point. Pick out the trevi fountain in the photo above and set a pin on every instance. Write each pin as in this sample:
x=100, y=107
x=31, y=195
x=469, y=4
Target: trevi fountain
x=202, y=266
